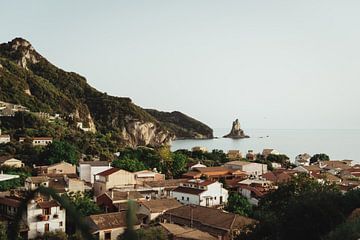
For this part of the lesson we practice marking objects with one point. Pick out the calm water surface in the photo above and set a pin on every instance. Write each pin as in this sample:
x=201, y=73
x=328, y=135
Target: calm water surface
x=338, y=144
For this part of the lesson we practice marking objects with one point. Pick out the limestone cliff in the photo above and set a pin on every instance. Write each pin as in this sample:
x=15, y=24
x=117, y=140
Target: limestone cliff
x=236, y=131
x=29, y=79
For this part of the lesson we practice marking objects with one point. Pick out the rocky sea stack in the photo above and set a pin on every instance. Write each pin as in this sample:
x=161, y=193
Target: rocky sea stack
x=236, y=131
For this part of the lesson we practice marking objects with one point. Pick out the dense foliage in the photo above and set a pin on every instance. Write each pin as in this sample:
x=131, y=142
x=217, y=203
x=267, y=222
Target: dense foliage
x=84, y=203
x=302, y=209
x=131, y=165
x=59, y=151
x=319, y=157
x=238, y=204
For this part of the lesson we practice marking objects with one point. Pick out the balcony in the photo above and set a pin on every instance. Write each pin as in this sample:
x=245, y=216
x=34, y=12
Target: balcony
x=42, y=217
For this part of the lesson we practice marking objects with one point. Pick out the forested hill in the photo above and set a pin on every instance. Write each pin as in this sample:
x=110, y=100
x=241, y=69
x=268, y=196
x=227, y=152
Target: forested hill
x=27, y=78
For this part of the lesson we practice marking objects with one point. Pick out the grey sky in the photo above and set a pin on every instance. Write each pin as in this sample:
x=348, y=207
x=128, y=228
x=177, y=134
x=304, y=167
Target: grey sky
x=272, y=64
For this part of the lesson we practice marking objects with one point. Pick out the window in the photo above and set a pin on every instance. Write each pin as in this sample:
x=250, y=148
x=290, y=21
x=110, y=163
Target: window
x=47, y=211
x=107, y=235
x=60, y=224
x=182, y=198
x=215, y=198
x=221, y=199
x=187, y=198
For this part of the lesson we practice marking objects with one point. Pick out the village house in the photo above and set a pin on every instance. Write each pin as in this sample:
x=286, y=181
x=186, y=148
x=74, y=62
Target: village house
x=163, y=188
x=197, y=165
x=326, y=177
x=269, y=151
x=201, y=192
x=335, y=165
x=145, y=176
x=199, y=149
x=116, y=201
x=88, y=169
x=213, y=173
x=249, y=168
x=251, y=155
x=57, y=168
x=254, y=189
x=234, y=155
x=38, y=141
x=222, y=225
x=112, y=178
x=32, y=183
x=278, y=176
x=109, y=226
x=42, y=214
x=177, y=232
x=302, y=159
x=154, y=208
x=308, y=169
x=4, y=138
x=11, y=162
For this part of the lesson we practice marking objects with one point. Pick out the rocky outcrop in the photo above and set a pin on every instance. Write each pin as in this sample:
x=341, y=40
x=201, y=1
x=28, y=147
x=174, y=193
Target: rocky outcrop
x=236, y=131
x=137, y=133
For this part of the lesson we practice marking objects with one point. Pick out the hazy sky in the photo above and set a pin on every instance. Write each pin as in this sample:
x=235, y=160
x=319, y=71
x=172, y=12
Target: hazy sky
x=272, y=64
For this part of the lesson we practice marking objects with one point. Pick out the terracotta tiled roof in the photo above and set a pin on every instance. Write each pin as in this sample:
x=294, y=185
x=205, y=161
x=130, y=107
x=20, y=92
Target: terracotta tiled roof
x=8, y=201
x=108, y=172
x=160, y=205
x=188, y=190
x=186, y=233
x=38, y=179
x=166, y=183
x=48, y=204
x=210, y=216
x=108, y=221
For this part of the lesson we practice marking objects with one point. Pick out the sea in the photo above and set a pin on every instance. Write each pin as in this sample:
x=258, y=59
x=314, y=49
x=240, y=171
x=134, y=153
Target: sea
x=337, y=143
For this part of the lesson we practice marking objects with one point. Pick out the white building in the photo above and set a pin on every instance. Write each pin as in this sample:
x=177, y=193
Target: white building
x=4, y=138
x=40, y=217
x=302, y=159
x=197, y=165
x=88, y=169
x=201, y=192
x=38, y=141
x=250, y=168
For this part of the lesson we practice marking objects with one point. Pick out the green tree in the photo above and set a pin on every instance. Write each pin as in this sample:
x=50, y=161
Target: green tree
x=319, y=157
x=84, y=203
x=281, y=158
x=179, y=164
x=299, y=209
x=238, y=204
x=59, y=151
x=131, y=165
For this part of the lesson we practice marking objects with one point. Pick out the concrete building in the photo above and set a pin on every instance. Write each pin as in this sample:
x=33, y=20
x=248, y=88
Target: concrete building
x=154, y=208
x=109, y=226
x=250, y=168
x=199, y=149
x=88, y=169
x=38, y=141
x=147, y=176
x=112, y=178
x=201, y=192
x=57, y=168
x=220, y=224
x=302, y=159
x=11, y=162
x=4, y=138
x=234, y=155
x=41, y=216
